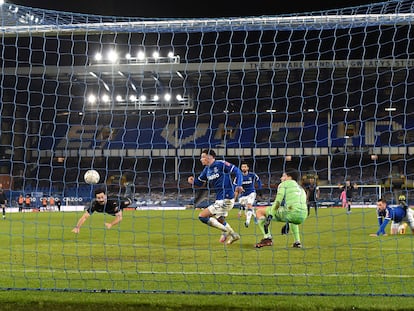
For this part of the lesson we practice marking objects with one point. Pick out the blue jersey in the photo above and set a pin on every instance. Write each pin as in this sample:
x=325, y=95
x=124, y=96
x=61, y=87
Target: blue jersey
x=218, y=176
x=396, y=214
x=249, y=181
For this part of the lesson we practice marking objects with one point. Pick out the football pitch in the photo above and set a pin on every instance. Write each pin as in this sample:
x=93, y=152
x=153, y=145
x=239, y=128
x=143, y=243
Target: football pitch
x=173, y=252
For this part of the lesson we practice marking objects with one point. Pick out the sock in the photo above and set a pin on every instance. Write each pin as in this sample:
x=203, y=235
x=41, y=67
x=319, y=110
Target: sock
x=249, y=214
x=228, y=227
x=213, y=222
x=295, y=231
x=260, y=222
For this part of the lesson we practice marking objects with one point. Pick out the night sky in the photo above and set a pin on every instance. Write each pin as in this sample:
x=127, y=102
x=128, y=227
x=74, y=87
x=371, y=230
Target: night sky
x=187, y=8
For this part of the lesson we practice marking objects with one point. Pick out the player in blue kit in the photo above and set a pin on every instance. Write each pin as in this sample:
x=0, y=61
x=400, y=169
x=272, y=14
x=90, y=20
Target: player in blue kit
x=397, y=214
x=248, y=196
x=218, y=175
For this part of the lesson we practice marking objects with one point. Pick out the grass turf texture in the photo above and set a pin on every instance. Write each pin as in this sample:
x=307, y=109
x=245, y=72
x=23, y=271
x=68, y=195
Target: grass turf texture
x=172, y=252
x=40, y=301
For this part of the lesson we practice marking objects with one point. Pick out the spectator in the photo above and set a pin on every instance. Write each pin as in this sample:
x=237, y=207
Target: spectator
x=52, y=202
x=44, y=203
x=27, y=201
x=20, y=202
x=58, y=204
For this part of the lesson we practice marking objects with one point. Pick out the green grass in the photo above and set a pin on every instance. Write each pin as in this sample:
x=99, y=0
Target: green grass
x=172, y=252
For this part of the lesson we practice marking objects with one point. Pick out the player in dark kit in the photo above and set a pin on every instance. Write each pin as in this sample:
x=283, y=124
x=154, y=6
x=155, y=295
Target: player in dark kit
x=3, y=201
x=103, y=204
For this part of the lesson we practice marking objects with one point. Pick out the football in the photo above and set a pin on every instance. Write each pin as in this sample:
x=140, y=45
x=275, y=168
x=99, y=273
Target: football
x=91, y=177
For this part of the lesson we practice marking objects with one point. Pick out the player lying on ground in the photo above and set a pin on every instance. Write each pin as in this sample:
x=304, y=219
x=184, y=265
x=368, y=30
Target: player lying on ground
x=103, y=204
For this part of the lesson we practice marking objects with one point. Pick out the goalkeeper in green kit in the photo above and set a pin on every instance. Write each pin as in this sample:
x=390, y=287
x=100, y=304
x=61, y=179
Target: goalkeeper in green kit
x=293, y=212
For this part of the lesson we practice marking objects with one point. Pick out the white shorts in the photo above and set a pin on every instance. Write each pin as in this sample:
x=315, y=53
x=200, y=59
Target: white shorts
x=247, y=199
x=395, y=226
x=409, y=218
x=221, y=207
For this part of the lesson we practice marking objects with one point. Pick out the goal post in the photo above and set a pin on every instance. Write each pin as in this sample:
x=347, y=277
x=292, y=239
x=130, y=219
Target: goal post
x=364, y=196
x=329, y=94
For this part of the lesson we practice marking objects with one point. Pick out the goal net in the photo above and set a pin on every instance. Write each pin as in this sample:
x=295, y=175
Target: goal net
x=327, y=93
x=362, y=196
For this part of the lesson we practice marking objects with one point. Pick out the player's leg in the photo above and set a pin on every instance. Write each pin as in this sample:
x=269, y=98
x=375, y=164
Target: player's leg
x=233, y=236
x=402, y=229
x=3, y=207
x=348, y=204
x=285, y=229
x=394, y=227
x=296, y=217
x=409, y=218
x=296, y=235
x=240, y=212
x=220, y=210
x=224, y=235
x=261, y=215
x=249, y=214
x=250, y=199
x=206, y=216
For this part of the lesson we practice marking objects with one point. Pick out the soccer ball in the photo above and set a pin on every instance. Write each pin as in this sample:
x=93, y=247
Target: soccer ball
x=91, y=177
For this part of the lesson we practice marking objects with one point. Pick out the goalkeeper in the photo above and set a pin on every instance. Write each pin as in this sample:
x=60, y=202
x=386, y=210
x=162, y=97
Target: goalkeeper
x=293, y=212
x=103, y=204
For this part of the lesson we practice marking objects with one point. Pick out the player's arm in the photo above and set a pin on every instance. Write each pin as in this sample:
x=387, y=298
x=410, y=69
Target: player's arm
x=381, y=230
x=259, y=185
x=279, y=197
x=117, y=220
x=199, y=181
x=81, y=221
x=380, y=218
x=238, y=181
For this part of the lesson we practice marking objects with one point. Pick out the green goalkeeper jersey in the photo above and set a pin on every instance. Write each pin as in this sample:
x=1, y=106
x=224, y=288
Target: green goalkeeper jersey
x=291, y=195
